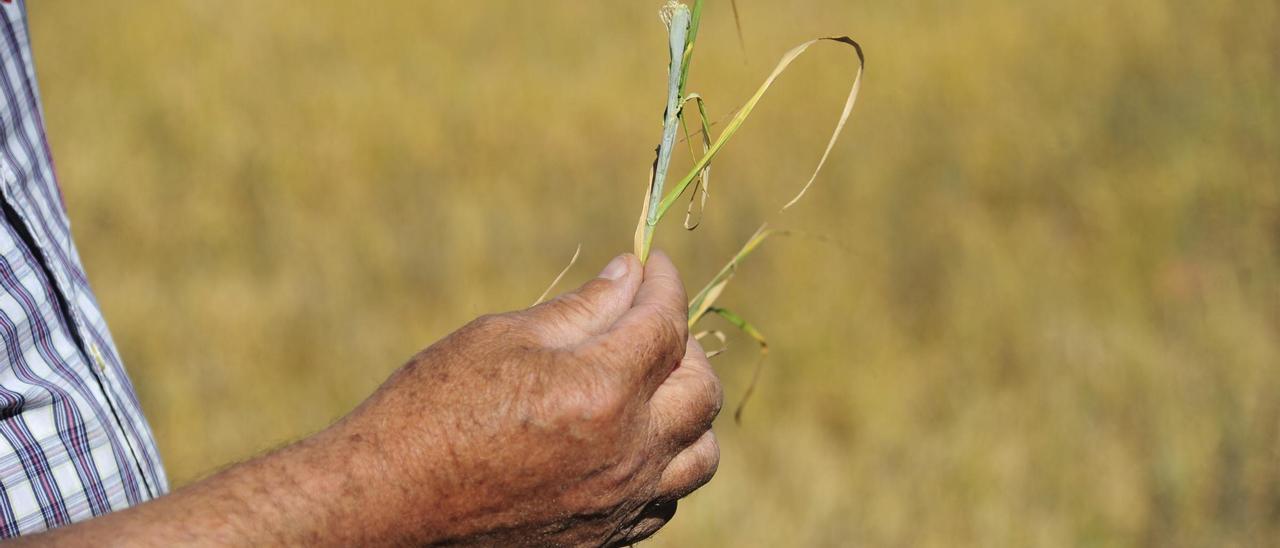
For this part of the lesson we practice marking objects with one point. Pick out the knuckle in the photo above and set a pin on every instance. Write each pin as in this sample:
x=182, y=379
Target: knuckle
x=572, y=306
x=669, y=337
x=678, y=316
x=715, y=397
x=697, y=465
x=493, y=331
x=593, y=404
x=564, y=318
x=674, y=289
x=710, y=459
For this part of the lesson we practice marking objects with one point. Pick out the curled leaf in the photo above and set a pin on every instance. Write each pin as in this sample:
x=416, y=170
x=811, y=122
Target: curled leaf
x=719, y=336
x=745, y=111
x=702, y=185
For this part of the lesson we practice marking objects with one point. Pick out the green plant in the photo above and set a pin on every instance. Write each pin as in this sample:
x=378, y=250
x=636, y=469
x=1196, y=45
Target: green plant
x=683, y=24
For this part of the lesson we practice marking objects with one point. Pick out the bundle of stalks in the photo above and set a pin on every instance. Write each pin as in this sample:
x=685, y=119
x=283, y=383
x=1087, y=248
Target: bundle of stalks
x=683, y=23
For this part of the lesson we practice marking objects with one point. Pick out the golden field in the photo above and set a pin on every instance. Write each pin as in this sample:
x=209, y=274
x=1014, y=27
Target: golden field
x=1048, y=313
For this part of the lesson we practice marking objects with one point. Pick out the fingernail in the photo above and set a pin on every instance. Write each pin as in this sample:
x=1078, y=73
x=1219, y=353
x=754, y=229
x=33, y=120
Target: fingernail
x=616, y=268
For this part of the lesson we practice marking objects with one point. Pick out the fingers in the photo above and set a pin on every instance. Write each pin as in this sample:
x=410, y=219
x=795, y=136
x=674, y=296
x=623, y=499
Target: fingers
x=648, y=340
x=683, y=409
x=688, y=401
x=690, y=469
x=591, y=309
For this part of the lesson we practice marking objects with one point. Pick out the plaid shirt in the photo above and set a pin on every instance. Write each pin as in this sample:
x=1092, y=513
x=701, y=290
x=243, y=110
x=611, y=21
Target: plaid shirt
x=73, y=441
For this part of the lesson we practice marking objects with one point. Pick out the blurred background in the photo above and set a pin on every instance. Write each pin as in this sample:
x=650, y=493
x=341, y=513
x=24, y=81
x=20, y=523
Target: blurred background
x=1049, y=314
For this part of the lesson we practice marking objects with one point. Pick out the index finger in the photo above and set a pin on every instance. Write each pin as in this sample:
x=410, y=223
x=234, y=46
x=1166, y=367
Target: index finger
x=648, y=340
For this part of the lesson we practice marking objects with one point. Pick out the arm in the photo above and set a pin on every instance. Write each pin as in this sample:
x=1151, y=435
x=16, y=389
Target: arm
x=580, y=421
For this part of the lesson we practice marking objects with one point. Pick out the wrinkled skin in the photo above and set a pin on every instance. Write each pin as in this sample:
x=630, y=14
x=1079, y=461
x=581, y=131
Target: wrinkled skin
x=578, y=422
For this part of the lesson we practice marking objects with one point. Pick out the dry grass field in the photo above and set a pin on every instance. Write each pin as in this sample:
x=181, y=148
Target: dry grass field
x=1050, y=314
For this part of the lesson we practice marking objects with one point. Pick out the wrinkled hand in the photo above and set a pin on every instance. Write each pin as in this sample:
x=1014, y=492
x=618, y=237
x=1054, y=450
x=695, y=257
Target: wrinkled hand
x=580, y=421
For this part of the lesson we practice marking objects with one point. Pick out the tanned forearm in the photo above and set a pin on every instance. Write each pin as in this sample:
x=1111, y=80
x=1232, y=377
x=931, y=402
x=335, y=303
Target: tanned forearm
x=315, y=492
x=578, y=422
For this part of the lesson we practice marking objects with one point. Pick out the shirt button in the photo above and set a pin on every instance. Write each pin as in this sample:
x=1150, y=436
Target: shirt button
x=97, y=357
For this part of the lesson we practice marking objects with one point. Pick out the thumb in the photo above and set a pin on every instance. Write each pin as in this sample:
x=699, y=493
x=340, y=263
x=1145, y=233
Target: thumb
x=592, y=308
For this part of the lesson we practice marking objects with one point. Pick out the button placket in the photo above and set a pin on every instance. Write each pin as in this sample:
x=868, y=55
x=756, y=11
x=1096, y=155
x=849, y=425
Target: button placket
x=60, y=280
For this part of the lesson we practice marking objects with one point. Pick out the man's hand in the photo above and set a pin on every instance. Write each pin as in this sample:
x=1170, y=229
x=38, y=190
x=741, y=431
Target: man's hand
x=580, y=421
